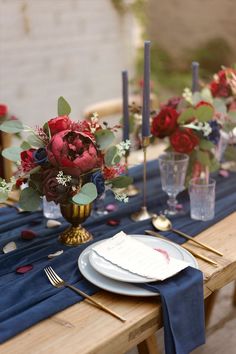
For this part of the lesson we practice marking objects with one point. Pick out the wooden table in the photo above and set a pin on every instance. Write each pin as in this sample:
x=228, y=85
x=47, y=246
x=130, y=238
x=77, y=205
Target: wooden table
x=84, y=329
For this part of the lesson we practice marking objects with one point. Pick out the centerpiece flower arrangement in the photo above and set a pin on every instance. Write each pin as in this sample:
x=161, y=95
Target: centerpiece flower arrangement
x=66, y=161
x=191, y=124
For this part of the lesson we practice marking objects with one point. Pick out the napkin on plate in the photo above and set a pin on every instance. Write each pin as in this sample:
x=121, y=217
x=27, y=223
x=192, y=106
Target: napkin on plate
x=183, y=310
x=134, y=256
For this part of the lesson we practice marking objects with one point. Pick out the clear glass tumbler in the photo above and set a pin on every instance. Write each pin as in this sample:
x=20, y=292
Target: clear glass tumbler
x=173, y=168
x=202, y=198
x=51, y=210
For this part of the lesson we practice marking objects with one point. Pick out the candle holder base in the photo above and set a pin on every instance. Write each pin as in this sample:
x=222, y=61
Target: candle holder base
x=141, y=215
x=131, y=191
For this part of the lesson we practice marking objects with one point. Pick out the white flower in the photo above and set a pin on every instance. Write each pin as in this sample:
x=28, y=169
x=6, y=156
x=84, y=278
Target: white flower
x=63, y=179
x=122, y=197
x=123, y=146
x=199, y=126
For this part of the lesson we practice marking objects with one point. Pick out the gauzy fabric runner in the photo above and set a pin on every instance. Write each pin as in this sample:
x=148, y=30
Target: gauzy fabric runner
x=25, y=299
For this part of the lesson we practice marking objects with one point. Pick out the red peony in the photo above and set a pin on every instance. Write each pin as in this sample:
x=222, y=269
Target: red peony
x=184, y=140
x=52, y=190
x=59, y=124
x=220, y=86
x=165, y=123
x=3, y=110
x=73, y=153
x=27, y=160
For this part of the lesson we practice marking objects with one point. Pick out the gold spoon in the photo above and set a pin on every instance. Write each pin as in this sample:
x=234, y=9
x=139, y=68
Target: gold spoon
x=161, y=223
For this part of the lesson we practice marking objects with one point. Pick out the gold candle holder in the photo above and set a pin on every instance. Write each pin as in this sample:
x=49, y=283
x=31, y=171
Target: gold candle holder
x=143, y=213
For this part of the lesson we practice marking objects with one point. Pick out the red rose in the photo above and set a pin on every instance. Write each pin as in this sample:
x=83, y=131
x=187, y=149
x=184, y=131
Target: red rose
x=165, y=123
x=3, y=110
x=73, y=152
x=27, y=160
x=59, y=124
x=184, y=140
x=52, y=190
x=219, y=86
x=173, y=102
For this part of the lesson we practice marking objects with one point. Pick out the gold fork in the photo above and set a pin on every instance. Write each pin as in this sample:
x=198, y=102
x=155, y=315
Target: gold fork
x=56, y=281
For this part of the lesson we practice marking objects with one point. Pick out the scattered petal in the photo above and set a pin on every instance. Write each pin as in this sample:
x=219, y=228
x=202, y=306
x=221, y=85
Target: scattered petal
x=11, y=246
x=28, y=235
x=224, y=173
x=53, y=255
x=24, y=269
x=113, y=222
x=53, y=223
x=111, y=207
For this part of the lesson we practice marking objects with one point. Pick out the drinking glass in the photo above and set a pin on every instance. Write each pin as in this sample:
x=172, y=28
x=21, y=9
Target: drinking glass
x=173, y=168
x=51, y=210
x=202, y=198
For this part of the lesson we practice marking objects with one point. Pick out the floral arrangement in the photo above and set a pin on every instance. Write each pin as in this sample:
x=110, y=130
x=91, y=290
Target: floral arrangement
x=192, y=124
x=66, y=161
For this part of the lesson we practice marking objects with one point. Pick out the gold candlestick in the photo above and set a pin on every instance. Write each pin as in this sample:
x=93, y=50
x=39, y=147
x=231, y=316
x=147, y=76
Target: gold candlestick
x=143, y=214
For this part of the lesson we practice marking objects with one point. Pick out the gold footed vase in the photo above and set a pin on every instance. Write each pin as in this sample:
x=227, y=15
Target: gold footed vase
x=75, y=214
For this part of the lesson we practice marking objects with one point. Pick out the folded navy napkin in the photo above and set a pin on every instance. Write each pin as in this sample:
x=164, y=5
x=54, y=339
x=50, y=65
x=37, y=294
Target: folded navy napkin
x=183, y=310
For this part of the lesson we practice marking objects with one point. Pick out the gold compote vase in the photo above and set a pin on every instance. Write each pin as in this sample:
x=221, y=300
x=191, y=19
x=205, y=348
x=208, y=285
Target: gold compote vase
x=75, y=214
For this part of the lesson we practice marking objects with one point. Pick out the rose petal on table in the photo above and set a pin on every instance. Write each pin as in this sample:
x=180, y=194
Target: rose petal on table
x=166, y=254
x=56, y=254
x=224, y=173
x=111, y=207
x=113, y=222
x=53, y=223
x=9, y=247
x=24, y=269
x=28, y=235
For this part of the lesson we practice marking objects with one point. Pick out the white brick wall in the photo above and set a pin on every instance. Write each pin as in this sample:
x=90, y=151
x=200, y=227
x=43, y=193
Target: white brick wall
x=74, y=48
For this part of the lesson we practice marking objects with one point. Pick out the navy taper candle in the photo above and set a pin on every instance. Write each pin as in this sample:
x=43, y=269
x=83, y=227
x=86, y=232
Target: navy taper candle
x=195, y=76
x=146, y=91
x=125, y=97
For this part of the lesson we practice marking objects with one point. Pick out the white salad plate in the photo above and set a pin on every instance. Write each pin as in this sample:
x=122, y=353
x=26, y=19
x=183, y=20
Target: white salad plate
x=124, y=288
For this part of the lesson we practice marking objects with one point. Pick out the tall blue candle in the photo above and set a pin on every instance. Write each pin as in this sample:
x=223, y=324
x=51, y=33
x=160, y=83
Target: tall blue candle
x=125, y=98
x=195, y=76
x=146, y=91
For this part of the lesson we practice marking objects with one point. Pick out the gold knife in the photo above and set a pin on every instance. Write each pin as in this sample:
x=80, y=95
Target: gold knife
x=206, y=259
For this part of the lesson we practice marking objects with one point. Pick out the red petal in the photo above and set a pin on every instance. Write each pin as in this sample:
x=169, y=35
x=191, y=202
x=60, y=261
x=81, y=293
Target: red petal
x=113, y=222
x=24, y=269
x=28, y=234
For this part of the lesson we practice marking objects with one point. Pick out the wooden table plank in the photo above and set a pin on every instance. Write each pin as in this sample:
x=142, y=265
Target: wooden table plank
x=87, y=330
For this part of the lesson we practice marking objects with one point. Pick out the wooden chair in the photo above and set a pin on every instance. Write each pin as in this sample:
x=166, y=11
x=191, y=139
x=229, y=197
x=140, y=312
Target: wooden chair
x=113, y=107
x=5, y=165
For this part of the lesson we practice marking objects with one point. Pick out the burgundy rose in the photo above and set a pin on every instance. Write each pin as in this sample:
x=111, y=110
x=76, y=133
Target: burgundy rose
x=3, y=110
x=173, y=102
x=27, y=160
x=165, y=123
x=73, y=153
x=59, y=124
x=219, y=86
x=52, y=190
x=184, y=140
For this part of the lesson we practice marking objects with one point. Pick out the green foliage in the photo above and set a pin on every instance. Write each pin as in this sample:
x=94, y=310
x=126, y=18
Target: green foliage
x=12, y=126
x=186, y=115
x=104, y=138
x=25, y=145
x=63, y=107
x=29, y=199
x=35, y=141
x=86, y=195
x=111, y=156
x=12, y=153
x=121, y=181
x=206, y=144
x=204, y=113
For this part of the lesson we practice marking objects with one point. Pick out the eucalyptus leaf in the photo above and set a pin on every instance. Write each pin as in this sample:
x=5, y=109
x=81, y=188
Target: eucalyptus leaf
x=186, y=115
x=25, y=145
x=3, y=196
x=104, y=138
x=12, y=126
x=206, y=144
x=29, y=199
x=220, y=105
x=12, y=153
x=35, y=141
x=111, y=156
x=63, y=107
x=196, y=98
x=203, y=157
x=204, y=113
x=206, y=95
x=214, y=164
x=121, y=181
x=86, y=195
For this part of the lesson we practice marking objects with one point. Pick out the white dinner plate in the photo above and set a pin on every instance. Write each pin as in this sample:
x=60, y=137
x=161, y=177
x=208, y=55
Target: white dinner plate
x=123, y=288
x=115, y=272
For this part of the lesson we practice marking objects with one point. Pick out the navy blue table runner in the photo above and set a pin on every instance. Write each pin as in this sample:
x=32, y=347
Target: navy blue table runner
x=22, y=305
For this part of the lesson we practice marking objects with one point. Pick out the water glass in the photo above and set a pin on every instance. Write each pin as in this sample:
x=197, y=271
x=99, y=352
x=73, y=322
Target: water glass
x=51, y=210
x=202, y=198
x=173, y=168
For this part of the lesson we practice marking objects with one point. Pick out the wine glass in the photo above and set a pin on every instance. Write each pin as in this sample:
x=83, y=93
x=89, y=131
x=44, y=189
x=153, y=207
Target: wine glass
x=173, y=168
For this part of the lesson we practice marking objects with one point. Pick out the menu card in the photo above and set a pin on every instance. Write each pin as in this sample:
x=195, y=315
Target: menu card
x=134, y=256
